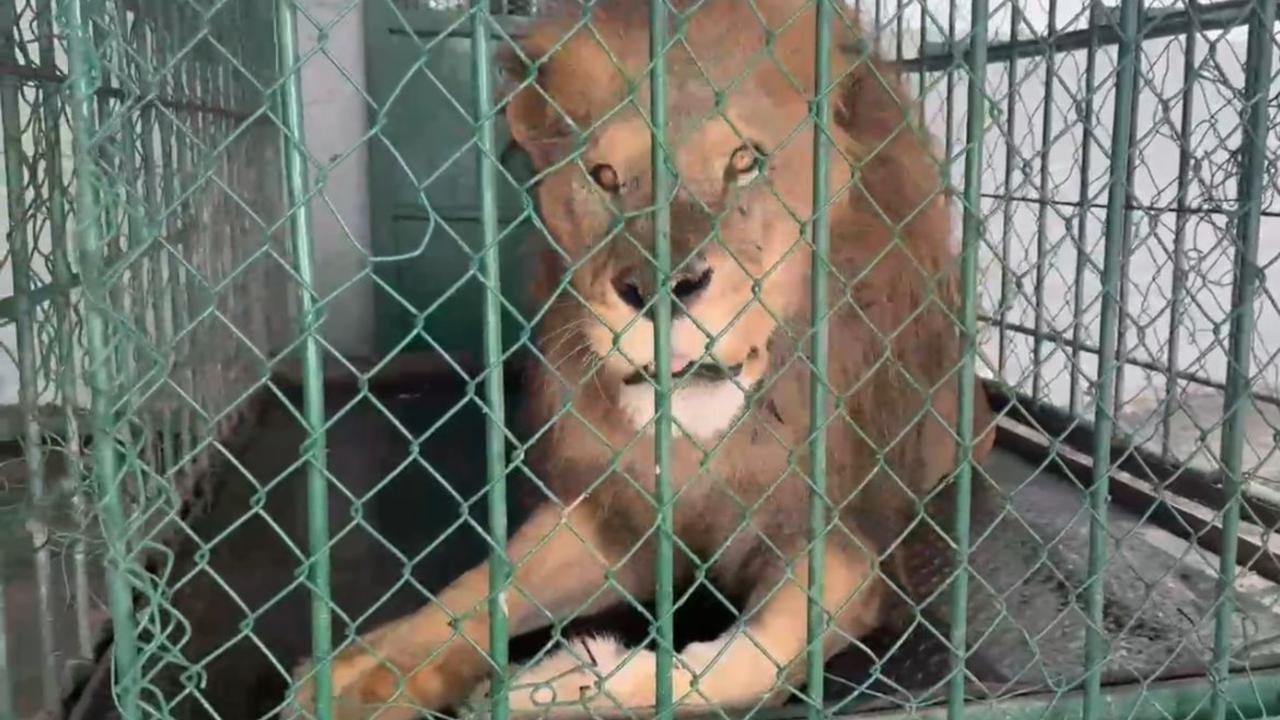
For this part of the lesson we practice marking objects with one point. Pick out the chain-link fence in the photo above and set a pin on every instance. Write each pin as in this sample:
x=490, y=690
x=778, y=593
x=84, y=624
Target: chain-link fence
x=228, y=465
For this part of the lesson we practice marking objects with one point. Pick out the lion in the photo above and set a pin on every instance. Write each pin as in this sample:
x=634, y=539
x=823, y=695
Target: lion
x=740, y=142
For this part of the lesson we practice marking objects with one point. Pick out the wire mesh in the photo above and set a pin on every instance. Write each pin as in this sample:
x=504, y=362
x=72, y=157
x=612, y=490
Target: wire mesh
x=164, y=312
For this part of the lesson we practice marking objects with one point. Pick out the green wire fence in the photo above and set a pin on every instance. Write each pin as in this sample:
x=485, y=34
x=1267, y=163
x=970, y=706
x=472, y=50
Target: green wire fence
x=161, y=311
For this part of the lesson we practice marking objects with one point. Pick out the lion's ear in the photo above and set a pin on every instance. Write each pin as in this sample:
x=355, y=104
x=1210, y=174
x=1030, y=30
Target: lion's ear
x=533, y=120
x=873, y=105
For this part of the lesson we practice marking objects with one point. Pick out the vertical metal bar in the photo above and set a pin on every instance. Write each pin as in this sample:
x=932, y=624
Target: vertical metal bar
x=152, y=210
x=495, y=439
x=950, y=140
x=83, y=81
x=1042, y=262
x=898, y=35
x=970, y=238
x=296, y=182
x=64, y=324
x=170, y=315
x=1082, y=225
x=820, y=236
x=1126, y=247
x=136, y=428
x=200, y=358
x=1253, y=181
x=1176, y=290
x=20, y=256
x=664, y=595
x=1010, y=157
x=1103, y=421
x=180, y=232
x=923, y=77
x=7, y=710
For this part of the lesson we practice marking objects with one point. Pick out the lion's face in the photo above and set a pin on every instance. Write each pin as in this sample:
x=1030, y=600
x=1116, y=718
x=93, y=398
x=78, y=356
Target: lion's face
x=739, y=140
x=737, y=262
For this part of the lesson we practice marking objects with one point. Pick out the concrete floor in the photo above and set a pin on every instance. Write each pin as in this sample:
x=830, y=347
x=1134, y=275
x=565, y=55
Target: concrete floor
x=243, y=611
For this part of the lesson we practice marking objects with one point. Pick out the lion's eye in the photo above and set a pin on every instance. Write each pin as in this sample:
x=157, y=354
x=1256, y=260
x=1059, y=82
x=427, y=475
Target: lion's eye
x=745, y=164
x=606, y=177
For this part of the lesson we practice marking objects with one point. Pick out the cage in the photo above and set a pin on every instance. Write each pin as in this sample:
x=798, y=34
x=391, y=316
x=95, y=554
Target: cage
x=265, y=298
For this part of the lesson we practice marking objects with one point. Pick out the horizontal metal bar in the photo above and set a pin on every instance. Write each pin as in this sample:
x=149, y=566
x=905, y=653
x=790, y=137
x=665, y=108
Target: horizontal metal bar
x=1252, y=695
x=1066, y=342
x=1189, y=520
x=1172, y=208
x=1101, y=31
x=32, y=74
x=1171, y=476
x=37, y=296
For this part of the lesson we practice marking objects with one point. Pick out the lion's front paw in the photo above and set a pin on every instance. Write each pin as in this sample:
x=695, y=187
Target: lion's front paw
x=380, y=676
x=595, y=675
x=362, y=687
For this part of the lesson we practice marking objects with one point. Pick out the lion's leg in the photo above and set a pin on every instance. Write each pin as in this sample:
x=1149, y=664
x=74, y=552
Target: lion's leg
x=435, y=656
x=754, y=663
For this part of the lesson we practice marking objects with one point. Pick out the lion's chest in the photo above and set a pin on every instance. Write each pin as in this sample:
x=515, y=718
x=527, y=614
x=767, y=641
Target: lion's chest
x=703, y=411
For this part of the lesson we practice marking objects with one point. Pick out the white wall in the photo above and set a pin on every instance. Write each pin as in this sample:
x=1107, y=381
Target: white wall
x=336, y=119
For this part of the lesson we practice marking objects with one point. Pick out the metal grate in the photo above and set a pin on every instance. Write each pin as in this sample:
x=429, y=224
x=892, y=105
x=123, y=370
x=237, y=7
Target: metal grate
x=1111, y=172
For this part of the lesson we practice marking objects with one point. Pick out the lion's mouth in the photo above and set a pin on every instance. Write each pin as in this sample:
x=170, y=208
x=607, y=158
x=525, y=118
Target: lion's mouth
x=704, y=372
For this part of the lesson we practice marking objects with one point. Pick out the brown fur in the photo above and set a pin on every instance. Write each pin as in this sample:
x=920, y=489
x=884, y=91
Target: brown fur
x=893, y=361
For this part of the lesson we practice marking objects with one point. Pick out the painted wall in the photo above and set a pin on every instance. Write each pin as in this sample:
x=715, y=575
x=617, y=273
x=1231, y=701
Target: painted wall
x=336, y=120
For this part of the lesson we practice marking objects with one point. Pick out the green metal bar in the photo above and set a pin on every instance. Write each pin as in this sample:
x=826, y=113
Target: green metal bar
x=1006, y=226
x=820, y=236
x=1177, y=292
x=172, y=419
x=495, y=435
x=83, y=80
x=312, y=364
x=63, y=277
x=922, y=79
x=950, y=139
x=1255, y=696
x=1082, y=248
x=1042, y=262
x=202, y=389
x=971, y=237
x=129, y=295
x=1162, y=23
x=151, y=210
x=664, y=591
x=970, y=240
x=20, y=256
x=180, y=210
x=1122, y=353
x=1104, y=398
x=7, y=709
x=1244, y=292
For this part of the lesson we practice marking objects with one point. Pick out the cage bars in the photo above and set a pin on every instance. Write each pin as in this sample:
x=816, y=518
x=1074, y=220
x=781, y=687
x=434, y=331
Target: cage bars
x=1177, y=291
x=1237, y=385
x=313, y=449
x=663, y=184
x=1083, y=250
x=21, y=253
x=1103, y=420
x=1042, y=212
x=1010, y=161
x=84, y=79
x=495, y=421
x=820, y=236
x=1246, y=277
x=971, y=237
x=1122, y=350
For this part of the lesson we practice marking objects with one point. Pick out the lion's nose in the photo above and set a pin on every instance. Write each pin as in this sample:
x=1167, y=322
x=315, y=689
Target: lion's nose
x=635, y=287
